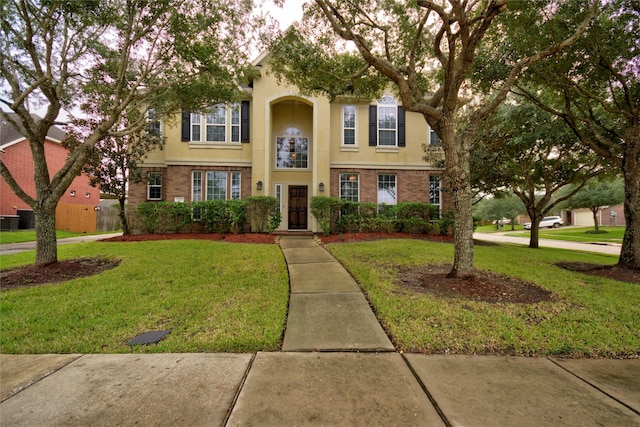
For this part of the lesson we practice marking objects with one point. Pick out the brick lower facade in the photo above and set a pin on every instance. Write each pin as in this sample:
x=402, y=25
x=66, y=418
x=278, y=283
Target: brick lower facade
x=176, y=182
x=412, y=185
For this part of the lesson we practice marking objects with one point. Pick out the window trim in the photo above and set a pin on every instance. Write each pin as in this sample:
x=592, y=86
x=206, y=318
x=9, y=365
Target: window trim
x=230, y=177
x=395, y=183
x=203, y=121
x=278, y=195
x=284, y=141
x=433, y=133
x=193, y=185
x=345, y=178
x=354, y=128
x=154, y=186
x=387, y=102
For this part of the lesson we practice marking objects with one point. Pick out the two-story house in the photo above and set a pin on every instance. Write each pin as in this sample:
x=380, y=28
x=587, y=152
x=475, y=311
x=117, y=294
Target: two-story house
x=280, y=143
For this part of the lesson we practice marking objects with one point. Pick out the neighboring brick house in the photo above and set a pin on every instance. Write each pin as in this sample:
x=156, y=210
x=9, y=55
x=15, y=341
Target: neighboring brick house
x=607, y=216
x=79, y=199
x=277, y=142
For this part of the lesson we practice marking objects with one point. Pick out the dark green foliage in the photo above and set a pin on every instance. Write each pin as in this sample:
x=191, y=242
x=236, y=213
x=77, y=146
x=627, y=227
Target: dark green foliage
x=340, y=216
x=265, y=212
x=163, y=217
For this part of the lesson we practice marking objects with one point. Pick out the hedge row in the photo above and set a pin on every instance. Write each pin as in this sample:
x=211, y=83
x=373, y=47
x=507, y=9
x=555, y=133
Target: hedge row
x=335, y=215
x=216, y=216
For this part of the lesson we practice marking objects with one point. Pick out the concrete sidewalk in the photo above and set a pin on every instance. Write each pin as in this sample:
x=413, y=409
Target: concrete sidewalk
x=337, y=368
x=14, y=248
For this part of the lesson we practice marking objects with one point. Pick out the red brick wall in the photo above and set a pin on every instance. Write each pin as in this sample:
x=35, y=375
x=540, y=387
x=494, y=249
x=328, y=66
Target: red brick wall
x=19, y=161
x=176, y=182
x=413, y=185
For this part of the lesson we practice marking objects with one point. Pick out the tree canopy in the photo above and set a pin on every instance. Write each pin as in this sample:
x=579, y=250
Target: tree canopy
x=594, y=87
x=534, y=154
x=105, y=59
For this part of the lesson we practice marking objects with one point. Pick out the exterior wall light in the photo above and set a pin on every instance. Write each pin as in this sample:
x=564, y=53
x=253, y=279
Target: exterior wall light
x=259, y=185
x=321, y=187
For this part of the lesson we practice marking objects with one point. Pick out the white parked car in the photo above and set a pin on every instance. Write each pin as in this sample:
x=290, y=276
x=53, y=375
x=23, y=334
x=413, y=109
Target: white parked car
x=547, y=221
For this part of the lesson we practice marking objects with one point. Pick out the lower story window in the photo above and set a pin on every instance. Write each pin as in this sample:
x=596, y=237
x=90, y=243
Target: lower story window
x=387, y=190
x=216, y=185
x=349, y=189
x=279, y=196
x=434, y=189
x=154, y=186
x=196, y=186
x=235, y=185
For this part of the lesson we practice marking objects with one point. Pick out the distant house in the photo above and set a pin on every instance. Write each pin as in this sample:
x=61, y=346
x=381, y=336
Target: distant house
x=607, y=216
x=280, y=143
x=75, y=211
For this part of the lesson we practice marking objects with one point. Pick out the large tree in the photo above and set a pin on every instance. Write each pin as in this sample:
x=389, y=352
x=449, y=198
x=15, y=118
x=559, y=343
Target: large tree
x=426, y=49
x=534, y=154
x=594, y=86
x=104, y=58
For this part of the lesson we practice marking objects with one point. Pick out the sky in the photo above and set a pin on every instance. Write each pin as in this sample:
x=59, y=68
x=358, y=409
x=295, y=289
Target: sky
x=291, y=11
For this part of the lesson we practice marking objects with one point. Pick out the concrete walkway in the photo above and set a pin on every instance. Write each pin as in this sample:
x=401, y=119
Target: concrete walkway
x=337, y=368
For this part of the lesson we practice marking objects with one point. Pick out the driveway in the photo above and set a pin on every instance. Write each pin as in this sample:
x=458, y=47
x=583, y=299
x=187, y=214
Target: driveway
x=610, y=249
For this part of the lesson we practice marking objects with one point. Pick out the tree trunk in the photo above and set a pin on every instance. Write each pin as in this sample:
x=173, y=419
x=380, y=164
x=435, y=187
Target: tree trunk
x=46, y=243
x=595, y=219
x=123, y=217
x=630, y=252
x=456, y=150
x=534, y=238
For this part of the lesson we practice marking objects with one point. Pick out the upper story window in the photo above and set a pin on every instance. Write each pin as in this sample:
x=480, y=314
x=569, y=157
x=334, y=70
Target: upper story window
x=292, y=150
x=154, y=186
x=220, y=123
x=349, y=125
x=434, y=139
x=387, y=123
x=154, y=127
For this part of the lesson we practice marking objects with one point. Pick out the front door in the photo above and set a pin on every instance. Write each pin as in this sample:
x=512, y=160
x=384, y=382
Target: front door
x=297, y=207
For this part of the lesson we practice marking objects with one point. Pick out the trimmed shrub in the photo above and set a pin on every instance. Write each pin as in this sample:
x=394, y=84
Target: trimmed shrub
x=265, y=212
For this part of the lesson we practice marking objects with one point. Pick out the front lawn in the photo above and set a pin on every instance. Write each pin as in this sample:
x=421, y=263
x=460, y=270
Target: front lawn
x=590, y=317
x=578, y=234
x=213, y=296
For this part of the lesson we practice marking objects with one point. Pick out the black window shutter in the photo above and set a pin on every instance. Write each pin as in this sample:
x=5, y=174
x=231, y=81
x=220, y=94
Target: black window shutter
x=373, y=125
x=244, y=122
x=186, y=125
x=401, y=128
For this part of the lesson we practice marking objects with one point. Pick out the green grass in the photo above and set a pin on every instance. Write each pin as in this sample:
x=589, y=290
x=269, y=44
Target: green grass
x=582, y=234
x=593, y=317
x=491, y=228
x=214, y=296
x=20, y=236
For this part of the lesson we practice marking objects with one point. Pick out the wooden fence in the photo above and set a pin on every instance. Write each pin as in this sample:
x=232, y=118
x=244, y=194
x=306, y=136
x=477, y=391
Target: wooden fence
x=75, y=218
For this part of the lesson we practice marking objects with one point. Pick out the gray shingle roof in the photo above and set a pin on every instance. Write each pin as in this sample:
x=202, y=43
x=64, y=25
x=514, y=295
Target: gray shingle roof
x=9, y=134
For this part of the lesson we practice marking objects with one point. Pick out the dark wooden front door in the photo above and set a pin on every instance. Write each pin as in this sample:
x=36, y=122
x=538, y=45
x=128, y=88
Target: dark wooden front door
x=297, y=207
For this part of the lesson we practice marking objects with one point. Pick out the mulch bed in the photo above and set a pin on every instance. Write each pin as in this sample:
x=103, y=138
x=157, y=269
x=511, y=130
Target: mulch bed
x=484, y=286
x=233, y=238
x=60, y=271
x=614, y=272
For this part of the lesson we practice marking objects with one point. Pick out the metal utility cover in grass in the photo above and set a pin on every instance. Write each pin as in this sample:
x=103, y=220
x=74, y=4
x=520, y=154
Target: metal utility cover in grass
x=151, y=337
